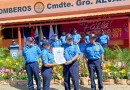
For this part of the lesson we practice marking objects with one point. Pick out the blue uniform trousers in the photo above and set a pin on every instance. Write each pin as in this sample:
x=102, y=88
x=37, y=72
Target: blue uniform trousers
x=47, y=76
x=95, y=65
x=105, y=45
x=32, y=69
x=72, y=71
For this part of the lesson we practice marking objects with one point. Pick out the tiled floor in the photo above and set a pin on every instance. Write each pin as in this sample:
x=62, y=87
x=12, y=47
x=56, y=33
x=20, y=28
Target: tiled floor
x=60, y=87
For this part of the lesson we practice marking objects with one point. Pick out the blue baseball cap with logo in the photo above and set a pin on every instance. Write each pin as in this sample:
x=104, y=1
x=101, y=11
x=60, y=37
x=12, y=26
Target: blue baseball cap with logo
x=102, y=30
x=68, y=36
x=29, y=39
x=45, y=42
x=13, y=40
x=63, y=31
x=74, y=29
x=54, y=34
x=93, y=36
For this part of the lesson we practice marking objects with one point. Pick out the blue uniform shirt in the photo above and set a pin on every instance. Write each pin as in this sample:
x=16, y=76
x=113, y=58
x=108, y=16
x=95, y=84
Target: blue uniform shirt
x=103, y=39
x=56, y=43
x=47, y=56
x=62, y=38
x=76, y=37
x=31, y=53
x=86, y=38
x=93, y=51
x=70, y=51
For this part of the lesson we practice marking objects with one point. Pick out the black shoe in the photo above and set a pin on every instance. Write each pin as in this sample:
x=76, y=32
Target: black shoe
x=31, y=89
x=93, y=89
x=101, y=89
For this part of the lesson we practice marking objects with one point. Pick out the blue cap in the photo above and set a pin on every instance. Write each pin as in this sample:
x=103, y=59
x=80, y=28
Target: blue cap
x=102, y=30
x=74, y=29
x=30, y=39
x=68, y=36
x=13, y=40
x=54, y=34
x=44, y=37
x=93, y=36
x=63, y=31
x=88, y=30
x=45, y=42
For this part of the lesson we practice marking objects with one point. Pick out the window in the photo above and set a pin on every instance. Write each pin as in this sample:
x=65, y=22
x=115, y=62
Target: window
x=11, y=33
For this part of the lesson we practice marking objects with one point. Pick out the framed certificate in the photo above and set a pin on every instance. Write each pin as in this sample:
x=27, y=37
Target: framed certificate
x=59, y=55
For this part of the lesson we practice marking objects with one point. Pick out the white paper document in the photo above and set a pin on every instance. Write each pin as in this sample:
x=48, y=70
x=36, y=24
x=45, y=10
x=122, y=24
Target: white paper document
x=59, y=55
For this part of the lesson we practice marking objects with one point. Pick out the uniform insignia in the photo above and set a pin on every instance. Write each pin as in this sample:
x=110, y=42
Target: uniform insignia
x=43, y=58
x=97, y=48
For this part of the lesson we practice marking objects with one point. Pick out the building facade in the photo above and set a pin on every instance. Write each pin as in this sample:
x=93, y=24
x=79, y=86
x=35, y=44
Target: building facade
x=113, y=16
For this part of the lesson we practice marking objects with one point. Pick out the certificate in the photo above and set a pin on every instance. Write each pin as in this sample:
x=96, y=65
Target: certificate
x=59, y=55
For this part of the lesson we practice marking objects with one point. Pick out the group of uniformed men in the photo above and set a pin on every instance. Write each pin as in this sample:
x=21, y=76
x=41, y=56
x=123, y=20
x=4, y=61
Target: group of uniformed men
x=93, y=59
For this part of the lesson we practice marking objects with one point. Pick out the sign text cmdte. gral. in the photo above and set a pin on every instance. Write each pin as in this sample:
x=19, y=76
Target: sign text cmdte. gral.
x=78, y=3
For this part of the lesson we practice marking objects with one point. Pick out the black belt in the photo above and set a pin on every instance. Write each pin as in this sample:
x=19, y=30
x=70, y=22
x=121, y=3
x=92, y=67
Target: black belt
x=30, y=62
x=92, y=60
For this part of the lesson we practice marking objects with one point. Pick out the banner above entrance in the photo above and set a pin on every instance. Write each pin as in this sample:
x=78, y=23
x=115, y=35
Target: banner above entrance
x=18, y=8
x=116, y=29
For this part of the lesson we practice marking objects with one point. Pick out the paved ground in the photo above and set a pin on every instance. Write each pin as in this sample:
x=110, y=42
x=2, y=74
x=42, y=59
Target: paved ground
x=60, y=87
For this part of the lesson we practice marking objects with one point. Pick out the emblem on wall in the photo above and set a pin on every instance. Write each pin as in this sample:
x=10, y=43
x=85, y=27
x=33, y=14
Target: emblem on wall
x=39, y=7
x=14, y=55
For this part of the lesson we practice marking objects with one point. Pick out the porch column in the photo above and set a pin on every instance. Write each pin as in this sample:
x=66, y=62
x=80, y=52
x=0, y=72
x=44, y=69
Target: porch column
x=1, y=35
x=19, y=39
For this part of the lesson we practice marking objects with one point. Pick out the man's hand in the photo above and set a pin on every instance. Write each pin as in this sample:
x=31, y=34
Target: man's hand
x=85, y=65
x=55, y=64
x=68, y=62
x=102, y=63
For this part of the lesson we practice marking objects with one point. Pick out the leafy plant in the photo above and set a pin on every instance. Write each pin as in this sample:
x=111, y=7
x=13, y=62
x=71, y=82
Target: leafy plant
x=21, y=77
x=3, y=53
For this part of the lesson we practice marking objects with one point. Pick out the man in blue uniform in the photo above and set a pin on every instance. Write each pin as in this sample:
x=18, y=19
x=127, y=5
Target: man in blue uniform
x=62, y=38
x=76, y=37
x=86, y=38
x=48, y=63
x=71, y=68
x=40, y=43
x=55, y=42
x=103, y=39
x=30, y=53
x=94, y=52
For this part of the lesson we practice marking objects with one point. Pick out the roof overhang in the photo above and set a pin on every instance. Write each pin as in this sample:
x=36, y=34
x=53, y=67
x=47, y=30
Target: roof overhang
x=127, y=11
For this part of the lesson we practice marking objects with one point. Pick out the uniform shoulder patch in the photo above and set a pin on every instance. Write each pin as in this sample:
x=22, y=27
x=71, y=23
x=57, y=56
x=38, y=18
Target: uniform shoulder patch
x=43, y=58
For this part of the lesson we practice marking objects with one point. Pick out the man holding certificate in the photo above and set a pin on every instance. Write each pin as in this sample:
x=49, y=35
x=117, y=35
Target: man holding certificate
x=71, y=68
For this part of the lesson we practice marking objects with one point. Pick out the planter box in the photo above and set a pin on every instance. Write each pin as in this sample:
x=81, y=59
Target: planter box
x=13, y=81
x=124, y=81
x=56, y=81
x=96, y=82
x=121, y=81
x=128, y=81
x=83, y=80
x=108, y=82
x=22, y=82
x=4, y=82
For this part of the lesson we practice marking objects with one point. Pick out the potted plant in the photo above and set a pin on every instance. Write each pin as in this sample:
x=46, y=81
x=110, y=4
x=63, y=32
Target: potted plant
x=84, y=77
x=22, y=79
x=128, y=78
x=83, y=73
x=57, y=74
